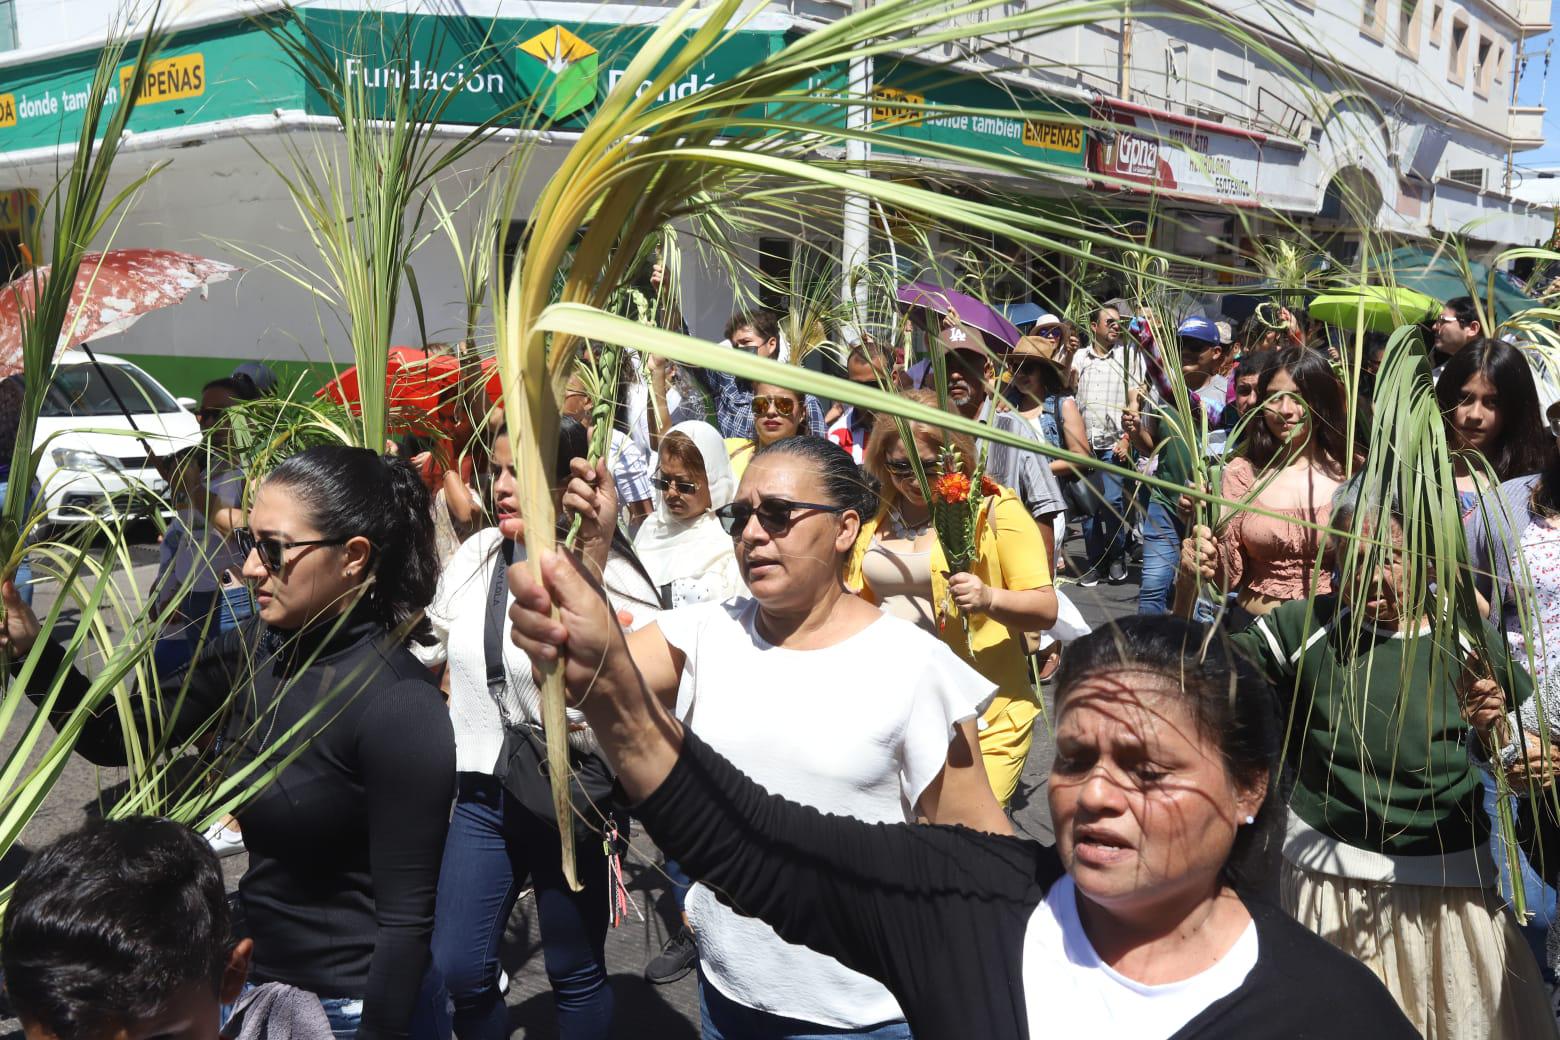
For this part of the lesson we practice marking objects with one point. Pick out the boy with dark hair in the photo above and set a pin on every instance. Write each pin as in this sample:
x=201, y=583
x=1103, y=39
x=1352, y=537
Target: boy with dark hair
x=120, y=930
x=756, y=332
x=1457, y=329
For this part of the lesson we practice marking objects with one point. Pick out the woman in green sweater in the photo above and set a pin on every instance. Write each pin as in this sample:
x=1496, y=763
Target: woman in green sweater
x=1387, y=850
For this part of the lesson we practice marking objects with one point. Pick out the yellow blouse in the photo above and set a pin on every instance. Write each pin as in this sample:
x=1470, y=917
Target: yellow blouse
x=740, y=450
x=1010, y=556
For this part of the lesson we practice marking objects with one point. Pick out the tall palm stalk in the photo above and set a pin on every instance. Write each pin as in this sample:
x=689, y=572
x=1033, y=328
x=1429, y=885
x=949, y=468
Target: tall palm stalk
x=638, y=165
x=364, y=208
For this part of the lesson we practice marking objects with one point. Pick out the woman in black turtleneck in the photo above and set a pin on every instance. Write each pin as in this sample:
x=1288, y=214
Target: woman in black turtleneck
x=345, y=843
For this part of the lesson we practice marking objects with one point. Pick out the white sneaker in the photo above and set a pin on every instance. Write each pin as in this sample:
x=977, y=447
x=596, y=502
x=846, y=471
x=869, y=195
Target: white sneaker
x=223, y=840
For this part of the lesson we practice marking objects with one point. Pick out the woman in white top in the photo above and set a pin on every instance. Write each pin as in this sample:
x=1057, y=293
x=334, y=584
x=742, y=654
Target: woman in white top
x=681, y=544
x=821, y=697
x=498, y=841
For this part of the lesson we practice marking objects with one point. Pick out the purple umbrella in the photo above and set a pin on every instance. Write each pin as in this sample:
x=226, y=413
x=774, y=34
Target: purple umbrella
x=970, y=311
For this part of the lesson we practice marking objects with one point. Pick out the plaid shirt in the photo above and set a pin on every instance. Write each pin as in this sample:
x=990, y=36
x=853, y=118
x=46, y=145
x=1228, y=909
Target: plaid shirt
x=1103, y=383
x=734, y=408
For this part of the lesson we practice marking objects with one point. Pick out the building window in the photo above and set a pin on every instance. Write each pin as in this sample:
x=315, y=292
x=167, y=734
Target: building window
x=8, y=38
x=1483, y=66
x=1473, y=176
x=1373, y=21
x=1437, y=9
x=1457, y=51
x=1408, y=28
x=1500, y=63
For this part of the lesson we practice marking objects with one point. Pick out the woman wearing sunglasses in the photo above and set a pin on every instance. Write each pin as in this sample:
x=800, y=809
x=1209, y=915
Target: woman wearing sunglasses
x=778, y=413
x=819, y=696
x=345, y=841
x=899, y=564
x=681, y=544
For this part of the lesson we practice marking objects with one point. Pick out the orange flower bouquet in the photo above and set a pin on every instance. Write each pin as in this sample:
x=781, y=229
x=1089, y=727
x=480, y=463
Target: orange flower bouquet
x=955, y=502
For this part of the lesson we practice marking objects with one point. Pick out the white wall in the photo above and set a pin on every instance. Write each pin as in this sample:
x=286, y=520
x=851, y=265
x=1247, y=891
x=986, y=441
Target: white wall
x=52, y=23
x=220, y=200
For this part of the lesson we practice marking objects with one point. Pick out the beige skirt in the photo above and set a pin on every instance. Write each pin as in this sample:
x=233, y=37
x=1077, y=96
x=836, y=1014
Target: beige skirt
x=1451, y=957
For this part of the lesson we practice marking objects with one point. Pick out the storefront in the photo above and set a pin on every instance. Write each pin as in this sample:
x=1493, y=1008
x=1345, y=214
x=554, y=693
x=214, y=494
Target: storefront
x=1212, y=187
x=226, y=113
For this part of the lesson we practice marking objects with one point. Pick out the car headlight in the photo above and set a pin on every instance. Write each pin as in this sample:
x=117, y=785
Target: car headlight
x=83, y=461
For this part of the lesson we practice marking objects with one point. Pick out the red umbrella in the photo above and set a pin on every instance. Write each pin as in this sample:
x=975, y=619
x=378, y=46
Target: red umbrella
x=415, y=382
x=113, y=290
x=494, y=385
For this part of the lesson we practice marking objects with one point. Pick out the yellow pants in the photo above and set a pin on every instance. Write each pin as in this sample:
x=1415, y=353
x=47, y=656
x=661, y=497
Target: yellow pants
x=1006, y=731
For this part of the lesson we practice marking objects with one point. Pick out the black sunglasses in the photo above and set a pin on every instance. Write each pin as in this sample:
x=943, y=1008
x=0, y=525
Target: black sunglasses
x=206, y=415
x=775, y=515
x=665, y=484
x=272, y=550
x=905, y=468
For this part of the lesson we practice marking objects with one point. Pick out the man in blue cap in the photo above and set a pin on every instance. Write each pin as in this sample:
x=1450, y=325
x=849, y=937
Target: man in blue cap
x=1204, y=350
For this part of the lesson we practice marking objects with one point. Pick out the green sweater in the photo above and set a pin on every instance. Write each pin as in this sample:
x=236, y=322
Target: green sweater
x=1377, y=743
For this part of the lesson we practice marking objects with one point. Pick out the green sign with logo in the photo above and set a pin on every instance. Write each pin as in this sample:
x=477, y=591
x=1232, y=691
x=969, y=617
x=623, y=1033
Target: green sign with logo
x=525, y=72
x=914, y=101
x=542, y=73
x=214, y=73
x=536, y=73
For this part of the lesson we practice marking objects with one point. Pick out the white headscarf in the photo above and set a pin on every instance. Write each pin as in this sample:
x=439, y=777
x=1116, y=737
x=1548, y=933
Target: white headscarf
x=671, y=548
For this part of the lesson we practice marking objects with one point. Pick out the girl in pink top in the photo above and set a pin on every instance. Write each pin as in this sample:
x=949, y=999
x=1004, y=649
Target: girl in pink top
x=1291, y=461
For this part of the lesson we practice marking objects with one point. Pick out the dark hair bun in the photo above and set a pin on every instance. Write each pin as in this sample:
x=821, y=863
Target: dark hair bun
x=353, y=492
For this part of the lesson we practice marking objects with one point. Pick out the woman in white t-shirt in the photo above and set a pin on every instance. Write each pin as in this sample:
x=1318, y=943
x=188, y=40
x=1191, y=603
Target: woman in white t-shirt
x=681, y=544
x=820, y=697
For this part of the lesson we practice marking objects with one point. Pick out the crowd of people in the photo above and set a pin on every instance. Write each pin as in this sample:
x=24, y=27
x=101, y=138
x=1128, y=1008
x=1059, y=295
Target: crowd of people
x=1272, y=798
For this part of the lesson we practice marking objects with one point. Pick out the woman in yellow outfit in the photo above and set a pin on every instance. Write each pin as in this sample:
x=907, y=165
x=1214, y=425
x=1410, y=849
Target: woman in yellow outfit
x=899, y=565
x=778, y=413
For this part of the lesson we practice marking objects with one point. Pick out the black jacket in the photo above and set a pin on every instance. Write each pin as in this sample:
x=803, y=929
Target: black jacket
x=939, y=914
x=345, y=842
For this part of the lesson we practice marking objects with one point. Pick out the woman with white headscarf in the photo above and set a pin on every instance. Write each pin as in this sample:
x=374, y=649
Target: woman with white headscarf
x=683, y=547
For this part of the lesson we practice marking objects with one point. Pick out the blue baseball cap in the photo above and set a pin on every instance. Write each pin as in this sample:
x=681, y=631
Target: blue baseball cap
x=1199, y=328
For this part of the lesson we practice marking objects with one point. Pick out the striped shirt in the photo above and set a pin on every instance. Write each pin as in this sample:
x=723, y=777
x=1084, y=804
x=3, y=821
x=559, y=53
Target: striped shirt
x=630, y=469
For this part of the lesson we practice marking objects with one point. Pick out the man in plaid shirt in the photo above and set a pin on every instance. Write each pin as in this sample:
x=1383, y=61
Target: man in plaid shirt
x=1108, y=374
x=757, y=332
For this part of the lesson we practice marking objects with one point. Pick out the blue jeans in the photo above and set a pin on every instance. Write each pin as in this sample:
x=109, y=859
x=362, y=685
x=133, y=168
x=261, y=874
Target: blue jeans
x=226, y=607
x=1162, y=536
x=1104, y=530
x=494, y=845
x=721, y=1018
x=680, y=883
x=1540, y=897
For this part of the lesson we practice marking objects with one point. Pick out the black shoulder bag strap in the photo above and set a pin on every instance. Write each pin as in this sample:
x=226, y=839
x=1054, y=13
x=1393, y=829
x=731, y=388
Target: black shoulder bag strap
x=493, y=634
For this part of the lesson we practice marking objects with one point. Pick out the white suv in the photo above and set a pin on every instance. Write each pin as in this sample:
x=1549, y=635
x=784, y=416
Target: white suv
x=88, y=468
